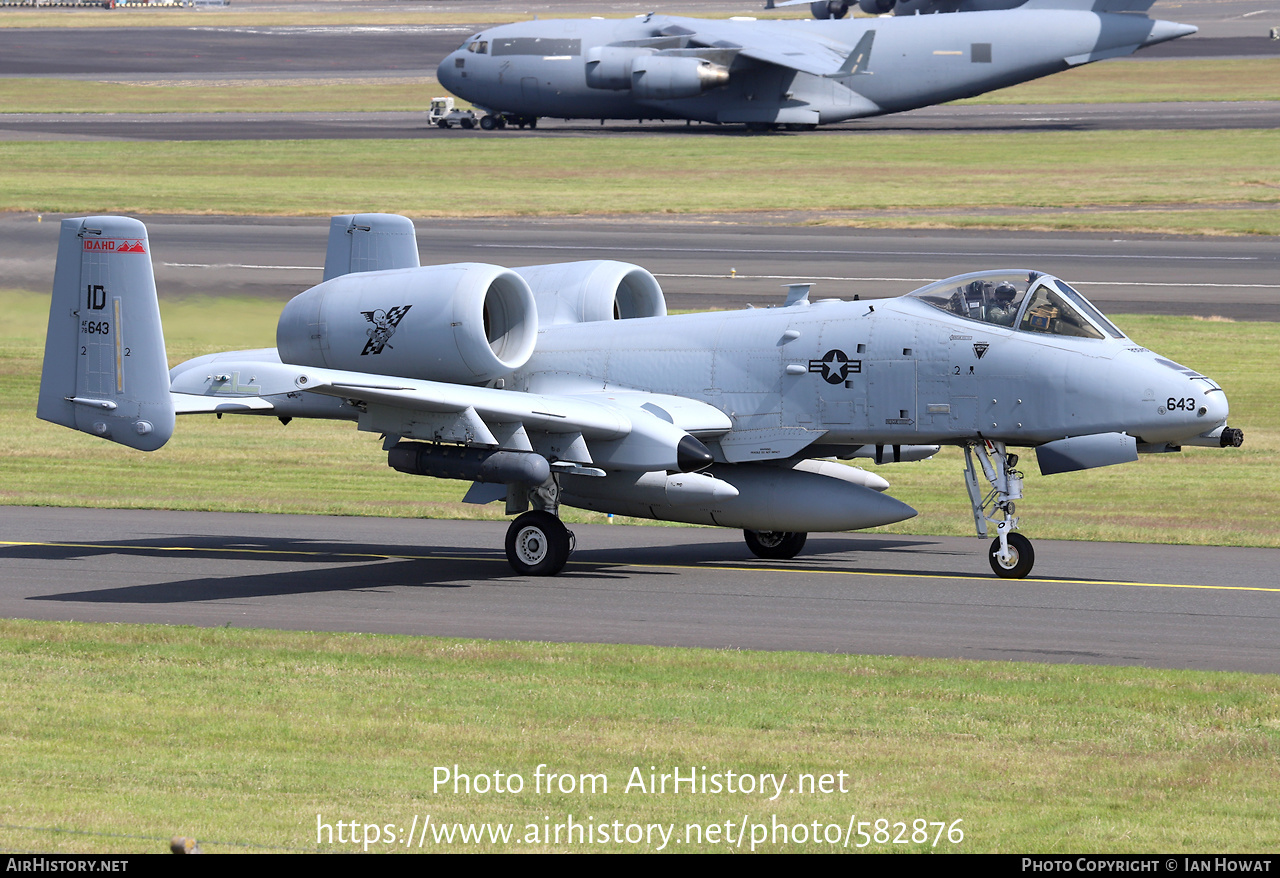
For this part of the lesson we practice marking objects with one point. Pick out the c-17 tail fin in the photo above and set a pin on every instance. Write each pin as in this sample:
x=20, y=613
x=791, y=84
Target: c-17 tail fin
x=105, y=369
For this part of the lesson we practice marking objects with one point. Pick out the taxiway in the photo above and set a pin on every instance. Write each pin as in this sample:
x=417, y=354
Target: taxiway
x=1093, y=603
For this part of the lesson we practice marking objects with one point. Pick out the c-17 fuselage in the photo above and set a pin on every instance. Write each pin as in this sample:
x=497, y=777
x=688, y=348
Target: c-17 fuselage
x=569, y=384
x=769, y=73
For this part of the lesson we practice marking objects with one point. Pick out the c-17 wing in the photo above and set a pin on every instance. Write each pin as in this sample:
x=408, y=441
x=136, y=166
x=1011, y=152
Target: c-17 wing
x=786, y=47
x=624, y=429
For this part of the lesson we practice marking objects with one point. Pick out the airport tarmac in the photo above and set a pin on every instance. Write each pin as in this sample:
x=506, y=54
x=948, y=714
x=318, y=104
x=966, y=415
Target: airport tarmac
x=1013, y=119
x=1090, y=603
x=707, y=262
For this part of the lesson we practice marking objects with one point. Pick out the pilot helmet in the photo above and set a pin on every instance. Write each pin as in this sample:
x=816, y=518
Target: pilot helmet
x=1005, y=292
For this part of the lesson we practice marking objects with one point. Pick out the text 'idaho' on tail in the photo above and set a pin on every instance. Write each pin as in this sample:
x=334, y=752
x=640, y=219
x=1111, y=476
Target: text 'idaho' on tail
x=105, y=370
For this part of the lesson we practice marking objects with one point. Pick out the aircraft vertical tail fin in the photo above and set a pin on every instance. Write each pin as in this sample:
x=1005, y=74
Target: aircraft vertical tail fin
x=105, y=370
x=369, y=242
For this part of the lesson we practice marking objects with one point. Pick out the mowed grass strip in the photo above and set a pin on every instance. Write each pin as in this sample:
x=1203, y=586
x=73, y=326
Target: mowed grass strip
x=659, y=175
x=268, y=96
x=1201, y=496
x=1140, y=80
x=123, y=735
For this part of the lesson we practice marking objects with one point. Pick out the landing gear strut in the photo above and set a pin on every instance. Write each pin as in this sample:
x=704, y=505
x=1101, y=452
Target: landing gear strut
x=538, y=543
x=1011, y=554
x=775, y=545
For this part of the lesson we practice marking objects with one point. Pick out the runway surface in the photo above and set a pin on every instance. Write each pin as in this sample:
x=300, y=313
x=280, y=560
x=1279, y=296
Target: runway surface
x=1091, y=603
x=707, y=262
x=1011, y=119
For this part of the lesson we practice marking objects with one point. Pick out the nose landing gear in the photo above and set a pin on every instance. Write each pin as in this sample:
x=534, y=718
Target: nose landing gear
x=1011, y=554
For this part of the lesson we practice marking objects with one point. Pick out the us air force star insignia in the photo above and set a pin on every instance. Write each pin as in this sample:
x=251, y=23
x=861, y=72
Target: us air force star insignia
x=834, y=366
x=980, y=348
x=384, y=326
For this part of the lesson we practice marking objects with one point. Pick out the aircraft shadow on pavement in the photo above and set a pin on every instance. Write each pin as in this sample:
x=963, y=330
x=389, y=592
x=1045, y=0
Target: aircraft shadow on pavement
x=322, y=566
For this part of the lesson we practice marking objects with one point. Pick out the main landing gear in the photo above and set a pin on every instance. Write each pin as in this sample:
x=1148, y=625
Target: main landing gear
x=1010, y=554
x=538, y=543
x=774, y=545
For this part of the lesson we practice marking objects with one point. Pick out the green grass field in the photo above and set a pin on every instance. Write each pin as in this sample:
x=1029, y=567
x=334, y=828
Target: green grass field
x=131, y=734
x=1212, y=182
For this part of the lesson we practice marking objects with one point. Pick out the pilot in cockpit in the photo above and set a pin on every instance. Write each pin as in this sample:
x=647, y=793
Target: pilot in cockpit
x=1002, y=310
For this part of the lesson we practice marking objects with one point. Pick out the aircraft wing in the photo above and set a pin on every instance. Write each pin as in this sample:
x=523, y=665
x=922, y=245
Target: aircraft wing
x=785, y=47
x=629, y=430
x=615, y=429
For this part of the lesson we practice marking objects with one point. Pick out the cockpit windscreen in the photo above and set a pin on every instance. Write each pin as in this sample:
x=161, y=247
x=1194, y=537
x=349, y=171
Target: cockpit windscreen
x=1025, y=300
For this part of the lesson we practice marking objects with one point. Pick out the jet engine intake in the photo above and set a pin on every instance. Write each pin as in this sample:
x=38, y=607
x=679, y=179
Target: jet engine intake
x=466, y=323
x=664, y=77
x=584, y=292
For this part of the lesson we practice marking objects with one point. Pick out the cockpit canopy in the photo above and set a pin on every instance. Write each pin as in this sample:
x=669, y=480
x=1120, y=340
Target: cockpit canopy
x=1025, y=300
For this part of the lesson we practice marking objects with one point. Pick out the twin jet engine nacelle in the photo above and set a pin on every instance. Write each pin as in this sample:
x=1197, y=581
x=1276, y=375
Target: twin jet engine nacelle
x=586, y=292
x=466, y=323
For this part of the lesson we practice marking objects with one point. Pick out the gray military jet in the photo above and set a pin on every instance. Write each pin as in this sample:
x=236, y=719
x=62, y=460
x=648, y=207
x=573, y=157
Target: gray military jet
x=569, y=384
x=766, y=74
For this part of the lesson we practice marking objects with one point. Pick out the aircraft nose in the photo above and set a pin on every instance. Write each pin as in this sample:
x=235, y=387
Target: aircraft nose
x=446, y=73
x=1216, y=407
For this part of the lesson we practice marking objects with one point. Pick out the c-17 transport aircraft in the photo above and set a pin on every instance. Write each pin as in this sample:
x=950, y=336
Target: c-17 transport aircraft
x=568, y=384
x=795, y=74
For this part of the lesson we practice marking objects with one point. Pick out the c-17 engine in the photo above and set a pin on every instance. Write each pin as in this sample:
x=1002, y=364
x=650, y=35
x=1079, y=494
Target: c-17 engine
x=652, y=75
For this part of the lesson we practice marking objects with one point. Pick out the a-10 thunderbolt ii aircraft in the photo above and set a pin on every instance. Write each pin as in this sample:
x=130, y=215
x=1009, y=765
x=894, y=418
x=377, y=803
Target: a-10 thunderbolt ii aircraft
x=794, y=74
x=569, y=384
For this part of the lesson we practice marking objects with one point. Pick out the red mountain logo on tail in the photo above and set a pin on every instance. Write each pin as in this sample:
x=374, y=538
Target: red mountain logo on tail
x=111, y=245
